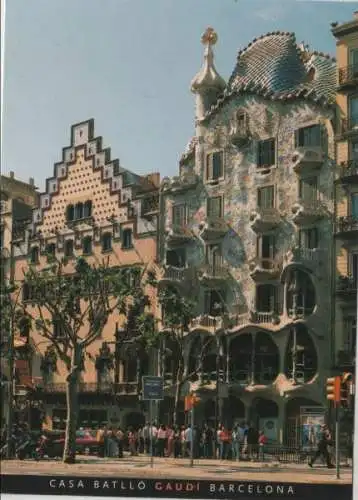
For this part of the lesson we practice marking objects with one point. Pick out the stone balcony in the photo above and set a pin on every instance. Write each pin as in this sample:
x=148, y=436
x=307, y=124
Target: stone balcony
x=311, y=258
x=347, y=286
x=212, y=227
x=239, y=132
x=171, y=274
x=307, y=159
x=264, y=219
x=187, y=180
x=348, y=172
x=178, y=233
x=262, y=269
x=308, y=211
x=214, y=272
x=208, y=323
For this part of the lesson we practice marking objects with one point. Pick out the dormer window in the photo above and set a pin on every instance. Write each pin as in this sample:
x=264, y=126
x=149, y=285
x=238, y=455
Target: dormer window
x=51, y=252
x=79, y=211
x=106, y=242
x=87, y=245
x=215, y=166
x=34, y=255
x=69, y=248
x=70, y=213
x=127, y=239
x=87, y=209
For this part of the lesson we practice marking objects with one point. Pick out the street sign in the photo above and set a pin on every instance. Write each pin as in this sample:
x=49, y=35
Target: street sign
x=153, y=388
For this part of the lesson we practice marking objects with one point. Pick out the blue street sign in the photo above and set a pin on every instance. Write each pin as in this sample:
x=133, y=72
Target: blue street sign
x=153, y=388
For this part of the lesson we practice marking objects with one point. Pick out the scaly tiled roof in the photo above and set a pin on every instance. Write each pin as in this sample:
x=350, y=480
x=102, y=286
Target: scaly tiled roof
x=275, y=67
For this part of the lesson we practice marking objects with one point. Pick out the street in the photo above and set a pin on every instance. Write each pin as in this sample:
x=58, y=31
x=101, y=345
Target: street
x=139, y=467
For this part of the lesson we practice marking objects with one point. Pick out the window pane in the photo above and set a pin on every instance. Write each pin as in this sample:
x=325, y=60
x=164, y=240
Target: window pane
x=354, y=205
x=217, y=165
x=354, y=150
x=266, y=197
x=353, y=110
x=309, y=136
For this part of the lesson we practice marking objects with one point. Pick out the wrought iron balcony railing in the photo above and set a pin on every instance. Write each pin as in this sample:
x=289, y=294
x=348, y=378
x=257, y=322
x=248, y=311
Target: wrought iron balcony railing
x=348, y=75
x=349, y=170
x=347, y=284
x=348, y=125
x=348, y=224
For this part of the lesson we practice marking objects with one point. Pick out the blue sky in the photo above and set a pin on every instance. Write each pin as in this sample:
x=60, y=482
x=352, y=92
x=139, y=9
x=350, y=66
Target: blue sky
x=128, y=64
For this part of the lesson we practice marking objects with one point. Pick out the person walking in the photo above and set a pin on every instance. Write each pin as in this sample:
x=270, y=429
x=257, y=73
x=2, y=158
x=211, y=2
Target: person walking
x=146, y=438
x=120, y=438
x=325, y=440
x=188, y=435
x=262, y=444
x=132, y=442
x=170, y=442
x=161, y=440
x=235, y=443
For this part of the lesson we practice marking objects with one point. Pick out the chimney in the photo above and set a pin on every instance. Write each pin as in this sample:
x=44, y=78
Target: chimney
x=154, y=178
x=32, y=181
x=11, y=174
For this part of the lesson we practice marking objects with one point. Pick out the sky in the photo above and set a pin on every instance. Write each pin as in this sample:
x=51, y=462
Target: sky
x=128, y=64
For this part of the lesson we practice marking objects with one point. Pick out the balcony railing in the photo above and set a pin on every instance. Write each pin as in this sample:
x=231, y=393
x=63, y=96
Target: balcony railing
x=82, y=387
x=346, y=225
x=207, y=321
x=349, y=170
x=348, y=75
x=172, y=273
x=346, y=357
x=215, y=271
x=265, y=265
x=348, y=125
x=347, y=284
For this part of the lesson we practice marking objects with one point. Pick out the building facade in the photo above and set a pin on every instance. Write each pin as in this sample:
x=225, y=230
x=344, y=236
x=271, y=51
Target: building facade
x=91, y=207
x=250, y=215
x=17, y=198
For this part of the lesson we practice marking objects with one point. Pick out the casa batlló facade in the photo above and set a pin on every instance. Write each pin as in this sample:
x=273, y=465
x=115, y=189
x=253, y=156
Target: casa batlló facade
x=246, y=227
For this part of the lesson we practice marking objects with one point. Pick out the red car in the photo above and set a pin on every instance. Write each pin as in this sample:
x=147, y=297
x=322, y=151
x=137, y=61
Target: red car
x=86, y=443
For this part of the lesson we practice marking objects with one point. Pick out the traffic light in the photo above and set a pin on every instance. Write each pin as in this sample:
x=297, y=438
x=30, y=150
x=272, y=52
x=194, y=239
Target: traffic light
x=333, y=389
x=346, y=383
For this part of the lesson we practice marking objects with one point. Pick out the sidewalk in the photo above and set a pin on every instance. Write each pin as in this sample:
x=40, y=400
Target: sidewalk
x=215, y=470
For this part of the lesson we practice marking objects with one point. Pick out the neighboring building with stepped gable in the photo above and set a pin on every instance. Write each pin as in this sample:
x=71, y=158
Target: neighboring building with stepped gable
x=94, y=207
x=248, y=225
x=346, y=199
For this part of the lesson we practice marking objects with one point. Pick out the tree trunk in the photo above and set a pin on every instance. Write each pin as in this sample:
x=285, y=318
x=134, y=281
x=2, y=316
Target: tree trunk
x=178, y=385
x=69, y=452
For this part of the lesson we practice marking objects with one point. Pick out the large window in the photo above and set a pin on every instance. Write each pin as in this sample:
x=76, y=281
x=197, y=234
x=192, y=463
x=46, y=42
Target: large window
x=308, y=238
x=353, y=61
x=87, y=245
x=266, y=298
x=266, y=247
x=179, y=215
x=176, y=258
x=215, y=207
x=308, y=136
x=34, y=255
x=353, y=267
x=266, y=153
x=69, y=248
x=215, y=166
x=354, y=205
x=353, y=150
x=106, y=242
x=213, y=302
x=127, y=239
x=266, y=197
x=353, y=111
x=308, y=190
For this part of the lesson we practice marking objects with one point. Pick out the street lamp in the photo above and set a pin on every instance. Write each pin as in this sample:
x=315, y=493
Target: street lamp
x=217, y=310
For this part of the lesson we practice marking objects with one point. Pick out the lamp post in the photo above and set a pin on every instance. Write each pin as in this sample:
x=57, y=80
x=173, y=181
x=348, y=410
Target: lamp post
x=217, y=309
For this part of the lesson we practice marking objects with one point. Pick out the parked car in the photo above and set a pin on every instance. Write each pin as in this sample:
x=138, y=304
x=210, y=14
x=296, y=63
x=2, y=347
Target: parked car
x=86, y=443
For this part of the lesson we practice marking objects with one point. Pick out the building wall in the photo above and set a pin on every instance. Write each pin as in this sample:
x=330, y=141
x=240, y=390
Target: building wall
x=87, y=173
x=239, y=187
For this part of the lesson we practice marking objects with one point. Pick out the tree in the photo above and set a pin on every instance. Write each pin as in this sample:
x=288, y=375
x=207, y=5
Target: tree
x=79, y=305
x=178, y=312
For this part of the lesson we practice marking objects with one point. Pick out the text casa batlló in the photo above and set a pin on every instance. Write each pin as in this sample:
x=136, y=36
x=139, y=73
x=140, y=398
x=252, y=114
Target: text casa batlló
x=164, y=486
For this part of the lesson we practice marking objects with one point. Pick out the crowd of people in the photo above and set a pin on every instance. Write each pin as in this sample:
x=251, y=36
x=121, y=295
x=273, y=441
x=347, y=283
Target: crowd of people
x=242, y=441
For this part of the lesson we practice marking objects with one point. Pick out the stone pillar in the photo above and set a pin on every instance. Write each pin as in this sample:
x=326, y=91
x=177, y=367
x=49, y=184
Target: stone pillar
x=121, y=371
x=281, y=419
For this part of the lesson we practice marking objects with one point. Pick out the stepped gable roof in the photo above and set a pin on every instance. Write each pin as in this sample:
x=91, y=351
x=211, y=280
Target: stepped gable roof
x=276, y=67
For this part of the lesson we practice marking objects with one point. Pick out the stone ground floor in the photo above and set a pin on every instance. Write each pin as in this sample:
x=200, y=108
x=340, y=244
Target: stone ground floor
x=139, y=467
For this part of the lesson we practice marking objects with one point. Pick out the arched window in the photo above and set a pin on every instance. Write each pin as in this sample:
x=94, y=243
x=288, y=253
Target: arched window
x=51, y=252
x=25, y=292
x=79, y=211
x=70, y=213
x=87, y=209
x=34, y=255
x=106, y=242
x=69, y=248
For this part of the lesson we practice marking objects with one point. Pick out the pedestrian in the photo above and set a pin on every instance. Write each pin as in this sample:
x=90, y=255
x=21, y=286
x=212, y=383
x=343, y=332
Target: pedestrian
x=188, y=435
x=252, y=442
x=262, y=444
x=161, y=441
x=119, y=437
x=183, y=442
x=235, y=443
x=324, y=442
x=154, y=431
x=170, y=442
x=177, y=443
x=206, y=438
x=146, y=438
x=132, y=442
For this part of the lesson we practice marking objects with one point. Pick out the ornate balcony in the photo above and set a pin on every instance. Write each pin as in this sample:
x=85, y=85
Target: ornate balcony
x=207, y=322
x=178, y=233
x=213, y=227
x=171, y=274
x=348, y=172
x=348, y=77
x=214, y=272
x=310, y=258
x=264, y=219
x=239, y=130
x=83, y=387
x=347, y=286
x=307, y=211
x=348, y=126
x=126, y=388
x=264, y=318
x=347, y=227
x=262, y=269
x=307, y=159
x=187, y=180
